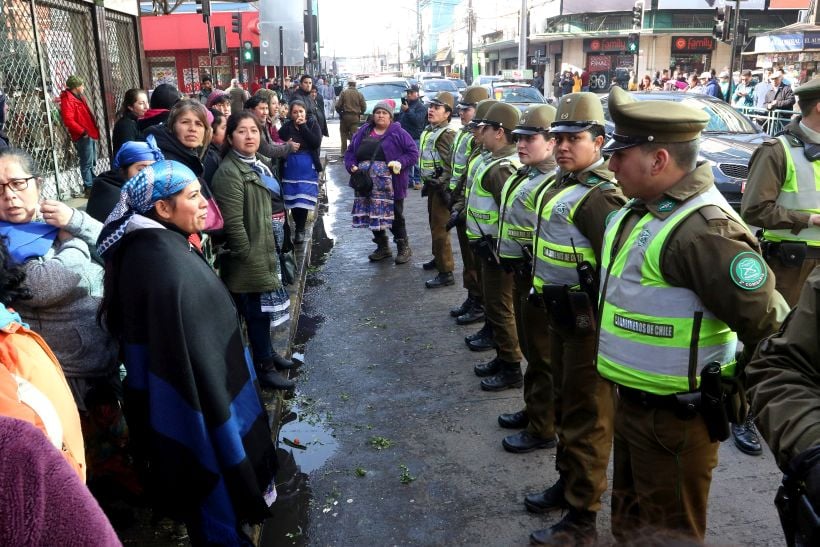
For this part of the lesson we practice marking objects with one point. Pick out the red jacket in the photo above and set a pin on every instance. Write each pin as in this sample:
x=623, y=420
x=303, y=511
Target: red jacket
x=77, y=116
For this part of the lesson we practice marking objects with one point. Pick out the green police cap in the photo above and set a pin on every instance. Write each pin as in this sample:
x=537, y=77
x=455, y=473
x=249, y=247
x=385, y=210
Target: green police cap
x=535, y=119
x=578, y=112
x=502, y=115
x=480, y=111
x=639, y=122
x=809, y=90
x=473, y=94
x=445, y=99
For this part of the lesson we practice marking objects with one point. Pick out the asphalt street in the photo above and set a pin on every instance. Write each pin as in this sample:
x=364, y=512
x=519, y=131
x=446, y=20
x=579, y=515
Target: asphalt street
x=395, y=442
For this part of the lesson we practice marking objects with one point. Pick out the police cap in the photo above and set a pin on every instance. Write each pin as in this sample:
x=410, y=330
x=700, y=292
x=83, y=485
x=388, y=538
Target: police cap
x=472, y=95
x=809, y=90
x=502, y=116
x=578, y=112
x=480, y=111
x=535, y=119
x=445, y=99
x=640, y=122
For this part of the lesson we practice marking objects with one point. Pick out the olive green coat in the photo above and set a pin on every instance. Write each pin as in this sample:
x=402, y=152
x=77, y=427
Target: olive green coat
x=250, y=263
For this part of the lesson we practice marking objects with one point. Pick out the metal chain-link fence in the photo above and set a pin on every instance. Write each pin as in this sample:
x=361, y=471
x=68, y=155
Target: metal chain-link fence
x=43, y=43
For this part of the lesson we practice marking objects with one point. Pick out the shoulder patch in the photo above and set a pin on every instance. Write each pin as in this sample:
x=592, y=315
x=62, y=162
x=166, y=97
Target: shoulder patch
x=712, y=212
x=748, y=271
x=667, y=205
x=608, y=186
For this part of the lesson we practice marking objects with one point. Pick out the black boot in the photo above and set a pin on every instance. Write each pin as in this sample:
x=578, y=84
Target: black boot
x=382, y=247
x=443, y=279
x=462, y=309
x=576, y=528
x=472, y=315
x=269, y=378
x=281, y=363
x=550, y=499
x=508, y=377
x=485, y=331
x=482, y=343
x=514, y=420
x=429, y=265
x=524, y=441
x=488, y=369
x=403, y=251
x=745, y=437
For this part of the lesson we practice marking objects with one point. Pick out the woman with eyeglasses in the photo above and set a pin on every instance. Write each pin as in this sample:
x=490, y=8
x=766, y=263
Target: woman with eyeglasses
x=54, y=244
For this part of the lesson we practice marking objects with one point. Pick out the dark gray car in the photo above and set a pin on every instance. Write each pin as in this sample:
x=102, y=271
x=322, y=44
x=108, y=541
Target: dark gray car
x=727, y=142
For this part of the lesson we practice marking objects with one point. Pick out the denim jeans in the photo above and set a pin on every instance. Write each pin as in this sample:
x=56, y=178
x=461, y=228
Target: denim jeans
x=87, y=151
x=415, y=176
x=257, y=323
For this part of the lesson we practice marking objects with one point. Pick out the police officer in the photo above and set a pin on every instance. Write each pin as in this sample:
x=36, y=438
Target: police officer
x=482, y=340
x=435, y=166
x=568, y=237
x=483, y=205
x=681, y=281
x=472, y=309
x=784, y=385
x=350, y=106
x=782, y=198
x=518, y=219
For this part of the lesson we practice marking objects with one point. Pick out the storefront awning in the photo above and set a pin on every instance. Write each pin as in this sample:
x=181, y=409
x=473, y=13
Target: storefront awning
x=791, y=38
x=497, y=46
x=443, y=54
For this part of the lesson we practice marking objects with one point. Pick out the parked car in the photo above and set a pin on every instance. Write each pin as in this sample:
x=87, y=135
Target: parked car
x=727, y=142
x=460, y=84
x=519, y=95
x=429, y=88
x=380, y=89
x=486, y=80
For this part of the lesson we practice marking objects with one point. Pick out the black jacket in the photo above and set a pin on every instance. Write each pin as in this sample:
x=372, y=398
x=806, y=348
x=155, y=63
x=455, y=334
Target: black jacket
x=414, y=120
x=125, y=130
x=105, y=193
x=174, y=150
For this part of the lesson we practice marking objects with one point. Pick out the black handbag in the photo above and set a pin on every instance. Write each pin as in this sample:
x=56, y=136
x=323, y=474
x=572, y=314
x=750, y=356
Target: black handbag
x=287, y=263
x=360, y=181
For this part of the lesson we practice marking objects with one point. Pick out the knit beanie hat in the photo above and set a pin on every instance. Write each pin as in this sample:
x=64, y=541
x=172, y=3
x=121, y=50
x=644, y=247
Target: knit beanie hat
x=73, y=82
x=165, y=96
x=388, y=105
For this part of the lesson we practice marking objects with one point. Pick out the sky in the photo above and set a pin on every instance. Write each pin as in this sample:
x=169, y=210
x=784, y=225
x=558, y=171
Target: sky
x=358, y=27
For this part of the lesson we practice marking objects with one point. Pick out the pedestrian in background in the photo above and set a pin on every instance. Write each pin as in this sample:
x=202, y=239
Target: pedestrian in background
x=320, y=109
x=413, y=118
x=206, y=87
x=350, y=106
x=219, y=100
x=4, y=110
x=328, y=97
x=386, y=152
x=237, y=94
x=134, y=106
x=744, y=95
x=163, y=98
x=82, y=128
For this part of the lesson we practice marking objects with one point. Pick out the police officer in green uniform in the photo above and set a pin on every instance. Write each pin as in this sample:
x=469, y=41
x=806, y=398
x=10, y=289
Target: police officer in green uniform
x=568, y=238
x=483, y=206
x=784, y=387
x=782, y=197
x=518, y=219
x=681, y=281
x=482, y=340
x=435, y=165
x=472, y=309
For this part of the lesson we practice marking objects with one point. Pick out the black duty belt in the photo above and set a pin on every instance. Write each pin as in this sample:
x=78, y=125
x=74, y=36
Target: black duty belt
x=773, y=249
x=672, y=403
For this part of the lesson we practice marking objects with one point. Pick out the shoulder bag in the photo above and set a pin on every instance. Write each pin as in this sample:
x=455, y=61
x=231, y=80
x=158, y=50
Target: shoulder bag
x=361, y=181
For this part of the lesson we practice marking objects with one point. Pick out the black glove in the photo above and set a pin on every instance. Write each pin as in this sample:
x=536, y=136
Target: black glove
x=453, y=221
x=425, y=189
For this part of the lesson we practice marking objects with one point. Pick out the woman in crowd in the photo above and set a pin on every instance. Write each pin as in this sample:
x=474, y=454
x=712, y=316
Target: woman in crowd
x=259, y=105
x=271, y=123
x=386, y=152
x=320, y=109
x=301, y=171
x=197, y=421
x=214, y=154
x=219, y=100
x=32, y=385
x=646, y=83
x=186, y=135
x=54, y=244
x=163, y=98
x=132, y=157
x=244, y=188
x=134, y=106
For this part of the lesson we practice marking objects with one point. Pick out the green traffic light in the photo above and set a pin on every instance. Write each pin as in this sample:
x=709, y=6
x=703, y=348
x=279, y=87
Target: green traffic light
x=247, y=55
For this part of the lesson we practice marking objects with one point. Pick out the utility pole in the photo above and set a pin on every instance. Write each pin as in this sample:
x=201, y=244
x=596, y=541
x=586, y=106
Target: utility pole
x=418, y=27
x=522, y=37
x=468, y=77
x=735, y=26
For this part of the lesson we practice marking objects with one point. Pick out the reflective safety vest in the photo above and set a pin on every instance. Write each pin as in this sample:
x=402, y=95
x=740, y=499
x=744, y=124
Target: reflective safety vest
x=462, y=147
x=656, y=337
x=482, y=210
x=555, y=259
x=800, y=192
x=473, y=168
x=518, y=211
x=429, y=158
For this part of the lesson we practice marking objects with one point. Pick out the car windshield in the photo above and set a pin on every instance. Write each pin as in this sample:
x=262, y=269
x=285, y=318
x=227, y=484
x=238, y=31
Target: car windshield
x=517, y=94
x=459, y=83
x=377, y=92
x=440, y=85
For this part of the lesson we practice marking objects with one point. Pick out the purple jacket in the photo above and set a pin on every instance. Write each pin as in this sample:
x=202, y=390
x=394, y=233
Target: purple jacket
x=397, y=145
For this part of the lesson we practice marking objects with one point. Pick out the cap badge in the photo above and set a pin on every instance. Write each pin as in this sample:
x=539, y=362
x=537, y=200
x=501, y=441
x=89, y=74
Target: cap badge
x=565, y=115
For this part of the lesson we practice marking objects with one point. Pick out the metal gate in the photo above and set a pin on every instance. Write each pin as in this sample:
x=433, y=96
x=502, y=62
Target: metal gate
x=43, y=43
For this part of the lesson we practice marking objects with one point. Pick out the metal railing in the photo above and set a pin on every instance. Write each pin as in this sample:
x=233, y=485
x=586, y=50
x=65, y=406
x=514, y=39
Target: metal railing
x=771, y=121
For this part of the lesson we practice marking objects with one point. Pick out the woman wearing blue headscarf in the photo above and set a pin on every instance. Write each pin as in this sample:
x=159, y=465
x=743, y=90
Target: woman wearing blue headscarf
x=191, y=399
x=132, y=157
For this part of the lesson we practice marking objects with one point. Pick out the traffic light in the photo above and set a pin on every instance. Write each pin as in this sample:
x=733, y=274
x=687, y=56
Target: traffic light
x=220, y=41
x=247, y=51
x=637, y=15
x=236, y=23
x=632, y=42
x=727, y=23
x=742, y=30
x=204, y=8
x=718, y=24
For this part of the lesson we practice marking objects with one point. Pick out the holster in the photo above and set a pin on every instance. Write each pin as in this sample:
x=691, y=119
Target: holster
x=571, y=310
x=583, y=312
x=792, y=253
x=484, y=248
x=712, y=403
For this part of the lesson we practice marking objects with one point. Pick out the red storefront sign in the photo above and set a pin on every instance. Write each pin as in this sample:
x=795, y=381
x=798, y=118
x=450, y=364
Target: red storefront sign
x=601, y=45
x=599, y=63
x=692, y=44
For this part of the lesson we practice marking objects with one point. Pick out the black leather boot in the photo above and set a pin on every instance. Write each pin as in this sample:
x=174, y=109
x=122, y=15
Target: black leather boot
x=472, y=315
x=429, y=265
x=482, y=340
x=524, y=441
x=576, y=528
x=269, y=378
x=488, y=369
x=485, y=331
x=508, y=377
x=514, y=420
x=550, y=499
x=745, y=437
x=443, y=279
x=462, y=309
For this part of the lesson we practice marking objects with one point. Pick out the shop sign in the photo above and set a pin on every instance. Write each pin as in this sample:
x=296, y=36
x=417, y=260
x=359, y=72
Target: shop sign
x=692, y=44
x=600, y=45
x=779, y=42
x=625, y=61
x=599, y=63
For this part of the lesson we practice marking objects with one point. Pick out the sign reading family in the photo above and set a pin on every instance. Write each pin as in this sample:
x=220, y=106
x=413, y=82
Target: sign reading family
x=692, y=44
x=599, y=45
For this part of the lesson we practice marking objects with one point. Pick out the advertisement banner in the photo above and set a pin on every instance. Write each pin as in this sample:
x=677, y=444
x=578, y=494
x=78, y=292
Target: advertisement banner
x=789, y=4
x=600, y=45
x=693, y=44
x=709, y=4
x=595, y=6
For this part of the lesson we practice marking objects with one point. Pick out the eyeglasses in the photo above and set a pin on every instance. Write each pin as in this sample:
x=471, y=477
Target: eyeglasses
x=15, y=185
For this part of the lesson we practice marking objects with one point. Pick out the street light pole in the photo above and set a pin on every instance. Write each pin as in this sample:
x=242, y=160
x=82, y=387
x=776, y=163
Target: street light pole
x=522, y=37
x=418, y=25
x=468, y=77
